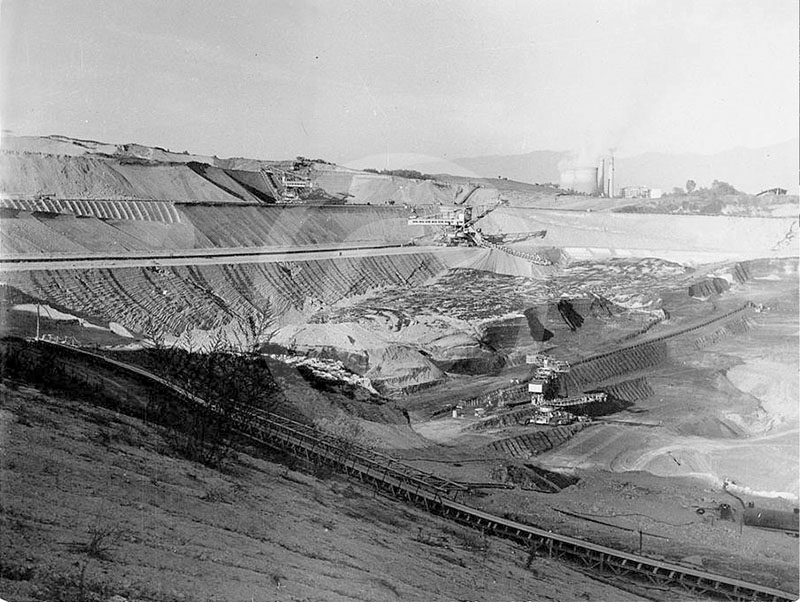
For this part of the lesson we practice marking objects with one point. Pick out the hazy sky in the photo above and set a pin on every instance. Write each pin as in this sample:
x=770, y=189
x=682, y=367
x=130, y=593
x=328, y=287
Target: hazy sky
x=344, y=79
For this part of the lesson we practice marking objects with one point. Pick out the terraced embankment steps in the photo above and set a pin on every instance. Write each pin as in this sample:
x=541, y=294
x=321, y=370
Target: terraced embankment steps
x=618, y=363
x=708, y=287
x=536, y=442
x=631, y=390
x=732, y=328
x=741, y=273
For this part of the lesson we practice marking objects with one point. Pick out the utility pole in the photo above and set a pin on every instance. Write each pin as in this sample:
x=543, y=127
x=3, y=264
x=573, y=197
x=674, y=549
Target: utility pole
x=38, y=306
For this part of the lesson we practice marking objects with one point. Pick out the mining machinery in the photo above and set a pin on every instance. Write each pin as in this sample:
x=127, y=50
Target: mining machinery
x=455, y=223
x=284, y=186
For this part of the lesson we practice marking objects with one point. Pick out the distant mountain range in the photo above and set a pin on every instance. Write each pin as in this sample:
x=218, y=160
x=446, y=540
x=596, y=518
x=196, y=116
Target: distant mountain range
x=747, y=169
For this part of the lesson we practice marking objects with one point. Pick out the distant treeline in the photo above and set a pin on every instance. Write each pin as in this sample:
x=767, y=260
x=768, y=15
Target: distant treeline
x=411, y=174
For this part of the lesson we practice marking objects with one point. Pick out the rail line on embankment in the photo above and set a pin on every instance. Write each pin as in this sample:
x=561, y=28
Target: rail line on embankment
x=440, y=496
x=518, y=392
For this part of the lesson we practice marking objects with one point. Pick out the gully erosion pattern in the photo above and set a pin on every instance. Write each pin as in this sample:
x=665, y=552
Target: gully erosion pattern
x=440, y=496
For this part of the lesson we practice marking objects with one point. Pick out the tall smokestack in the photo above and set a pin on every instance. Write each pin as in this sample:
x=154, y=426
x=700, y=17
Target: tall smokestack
x=610, y=177
x=601, y=177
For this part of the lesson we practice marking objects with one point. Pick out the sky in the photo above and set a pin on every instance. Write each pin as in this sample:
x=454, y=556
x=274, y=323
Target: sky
x=345, y=79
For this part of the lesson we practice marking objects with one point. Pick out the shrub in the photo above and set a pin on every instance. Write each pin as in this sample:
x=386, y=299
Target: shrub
x=103, y=539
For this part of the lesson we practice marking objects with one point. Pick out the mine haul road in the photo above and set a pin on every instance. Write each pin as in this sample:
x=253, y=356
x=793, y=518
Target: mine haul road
x=125, y=259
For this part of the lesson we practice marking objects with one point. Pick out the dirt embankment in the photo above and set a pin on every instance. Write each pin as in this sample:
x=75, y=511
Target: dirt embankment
x=96, y=506
x=694, y=239
x=297, y=225
x=192, y=304
x=31, y=175
x=210, y=296
x=378, y=189
x=53, y=226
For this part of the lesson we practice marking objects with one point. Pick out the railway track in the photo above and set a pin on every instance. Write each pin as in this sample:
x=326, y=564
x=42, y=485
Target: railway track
x=440, y=496
x=519, y=392
x=129, y=256
x=667, y=336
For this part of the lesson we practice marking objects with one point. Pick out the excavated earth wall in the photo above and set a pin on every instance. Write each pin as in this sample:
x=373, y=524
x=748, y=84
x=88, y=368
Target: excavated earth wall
x=708, y=287
x=631, y=390
x=210, y=296
x=612, y=365
x=76, y=226
x=537, y=442
x=734, y=327
x=299, y=225
x=531, y=477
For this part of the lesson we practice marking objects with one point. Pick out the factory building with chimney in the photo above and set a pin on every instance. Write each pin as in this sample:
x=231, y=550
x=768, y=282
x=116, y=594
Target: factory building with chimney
x=590, y=180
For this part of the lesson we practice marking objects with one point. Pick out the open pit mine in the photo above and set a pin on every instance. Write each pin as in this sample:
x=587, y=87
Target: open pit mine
x=613, y=389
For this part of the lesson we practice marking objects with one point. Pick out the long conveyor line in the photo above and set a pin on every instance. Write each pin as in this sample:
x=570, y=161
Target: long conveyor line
x=667, y=336
x=439, y=497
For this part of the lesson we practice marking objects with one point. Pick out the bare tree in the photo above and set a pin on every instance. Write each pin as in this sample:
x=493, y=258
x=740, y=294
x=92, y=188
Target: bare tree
x=256, y=329
x=187, y=340
x=234, y=380
x=155, y=332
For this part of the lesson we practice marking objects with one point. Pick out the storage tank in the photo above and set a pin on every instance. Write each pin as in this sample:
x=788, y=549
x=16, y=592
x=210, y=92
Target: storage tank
x=580, y=179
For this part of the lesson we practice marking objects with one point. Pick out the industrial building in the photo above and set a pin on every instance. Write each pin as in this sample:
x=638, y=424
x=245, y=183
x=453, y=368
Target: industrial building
x=590, y=180
x=641, y=192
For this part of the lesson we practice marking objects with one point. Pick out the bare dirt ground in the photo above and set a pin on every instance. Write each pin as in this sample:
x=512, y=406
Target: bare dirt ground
x=95, y=505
